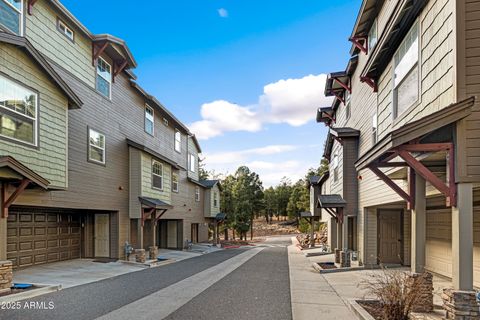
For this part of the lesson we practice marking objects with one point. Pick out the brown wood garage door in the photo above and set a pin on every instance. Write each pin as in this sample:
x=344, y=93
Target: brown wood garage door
x=36, y=236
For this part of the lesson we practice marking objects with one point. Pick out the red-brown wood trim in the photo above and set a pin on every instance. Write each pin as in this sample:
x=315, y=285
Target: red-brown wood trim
x=356, y=42
x=340, y=215
x=7, y=203
x=3, y=194
x=343, y=85
x=411, y=188
x=331, y=212
x=146, y=214
x=371, y=82
x=157, y=218
x=451, y=176
x=425, y=147
x=339, y=97
x=119, y=69
x=426, y=174
x=98, y=51
x=31, y=3
x=391, y=164
x=339, y=140
x=395, y=187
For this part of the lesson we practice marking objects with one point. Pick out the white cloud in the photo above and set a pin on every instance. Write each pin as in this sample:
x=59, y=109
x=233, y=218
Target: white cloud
x=222, y=116
x=222, y=12
x=291, y=101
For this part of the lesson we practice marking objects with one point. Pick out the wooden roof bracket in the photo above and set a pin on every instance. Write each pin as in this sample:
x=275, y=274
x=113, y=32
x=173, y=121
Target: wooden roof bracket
x=97, y=51
x=337, y=214
x=339, y=97
x=339, y=140
x=118, y=69
x=449, y=190
x=342, y=84
x=389, y=182
x=357, y=42
x=330, y=117
x=146, y=214
x=157, y=217
x=31, y=3
x=6, y=203
x=371, y=82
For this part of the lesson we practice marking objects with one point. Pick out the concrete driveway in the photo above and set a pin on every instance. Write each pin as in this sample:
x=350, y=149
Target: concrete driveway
x=72, y=272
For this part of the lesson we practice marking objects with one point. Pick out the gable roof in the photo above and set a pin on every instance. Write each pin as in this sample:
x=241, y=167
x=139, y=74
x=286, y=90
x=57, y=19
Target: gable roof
x=22, y=170
x=74, y=101
x=195, y=141
x=211, y=183
x=331, y=201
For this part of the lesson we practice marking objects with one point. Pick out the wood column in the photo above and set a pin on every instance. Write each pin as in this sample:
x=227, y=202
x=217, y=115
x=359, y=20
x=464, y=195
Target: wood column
x=462, y=238
x=139, y=234
x=339, y=243
x=344, y=246
x=153, y=228
x=312, y=232
x=419, y=225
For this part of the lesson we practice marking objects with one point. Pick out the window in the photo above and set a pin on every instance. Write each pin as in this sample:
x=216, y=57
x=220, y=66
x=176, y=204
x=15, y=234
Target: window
x=96, y=148
x=335, y=167
x=157, y=175
x=11, y=16
x=372, y=36
x=197, y=194
x=178, y=141
x=406, y=75
x=215, y=199
x=104, y=77
x=347, y=104
x=175, y=182
x=18, y=112
x=191, y=162
x=374, y=128
x=63, y=28
x=149, y=120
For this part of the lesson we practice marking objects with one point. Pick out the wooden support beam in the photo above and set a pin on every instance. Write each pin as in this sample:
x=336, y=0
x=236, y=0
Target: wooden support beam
x=371, y=82
x=339, y=140
x=451, y=176
x=391, y=164
x=331, y=212
x=3, y=194
x=157, y=218
x=6, y=203
x=411, y=188
x=339, y=97
x=97, y=51
x=146, y=214
x=343, y=85
x=390, y=183
x=31, y=3
x=340, y=215
x=425, y=147
x=423, y=171
x=118, y=69
x=357, y=42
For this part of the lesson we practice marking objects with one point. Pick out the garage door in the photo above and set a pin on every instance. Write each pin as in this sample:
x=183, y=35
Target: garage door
x=36, y=236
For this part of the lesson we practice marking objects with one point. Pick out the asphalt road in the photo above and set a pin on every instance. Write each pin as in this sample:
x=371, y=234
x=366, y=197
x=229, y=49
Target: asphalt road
x=258, y=289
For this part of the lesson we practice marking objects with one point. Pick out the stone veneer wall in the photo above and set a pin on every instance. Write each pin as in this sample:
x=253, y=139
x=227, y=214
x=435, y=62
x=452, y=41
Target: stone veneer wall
x=6, y=275
x=460, y=305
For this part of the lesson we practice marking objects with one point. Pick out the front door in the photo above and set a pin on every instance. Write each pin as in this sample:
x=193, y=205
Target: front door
x=102, y=235
x=172, y=237
x=390, y=236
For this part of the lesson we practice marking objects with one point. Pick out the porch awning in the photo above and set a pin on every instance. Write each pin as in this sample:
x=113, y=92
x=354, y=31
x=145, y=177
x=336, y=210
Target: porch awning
x=331, y=201
x=221, y=216
x=12, y=170
x=416, y=129
x=325, y=115
x=154, y=203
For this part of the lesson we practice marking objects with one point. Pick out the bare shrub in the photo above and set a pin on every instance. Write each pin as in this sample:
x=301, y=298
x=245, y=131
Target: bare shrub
x=397, y=293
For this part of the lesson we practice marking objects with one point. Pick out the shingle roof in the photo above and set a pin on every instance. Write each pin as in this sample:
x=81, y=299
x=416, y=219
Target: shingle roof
x=314, y=179
x=210, y=183
x=154, y=203
x=331, y=201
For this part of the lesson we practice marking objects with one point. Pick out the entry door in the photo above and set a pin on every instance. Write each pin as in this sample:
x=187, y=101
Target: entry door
x=194, y=232
x=172, y=234
x=390, y=236
x=102, y=235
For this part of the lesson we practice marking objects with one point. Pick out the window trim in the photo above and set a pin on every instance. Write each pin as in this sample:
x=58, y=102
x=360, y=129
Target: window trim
x=154, y=174
x=197, y=194
x=215, y=199
x=190, y=162
x=89, y=159
x=335, y=165
x=395, y=114
x=374, y=131
x=145, y=120
x=36, y=145
x=348, y=103
x=179, y=150
x=374, y=25
x=22, y=18
x=176, y=190
x=109, y=81
x=59, y=23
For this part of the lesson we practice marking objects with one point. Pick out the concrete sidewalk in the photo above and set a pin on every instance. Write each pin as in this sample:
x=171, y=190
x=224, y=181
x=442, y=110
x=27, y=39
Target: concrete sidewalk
x=312, y=296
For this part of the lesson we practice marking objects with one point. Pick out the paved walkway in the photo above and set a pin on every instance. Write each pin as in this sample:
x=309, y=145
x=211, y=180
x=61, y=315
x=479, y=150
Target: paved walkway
x=311, y=294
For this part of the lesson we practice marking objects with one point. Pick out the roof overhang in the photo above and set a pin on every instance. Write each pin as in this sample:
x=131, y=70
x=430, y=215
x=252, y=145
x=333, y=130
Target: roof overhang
x=12, y=170
x=74, y=101
x=116, y=49
x=155, y=154
x=221, y=216
x=365, y=18
x=403, y=18
x=337, y=83
x=331, y=201
x=198, y=183
x=154, y=203
x=338, y=134
x=195, y=141
x=325, y=115
x=416, y=129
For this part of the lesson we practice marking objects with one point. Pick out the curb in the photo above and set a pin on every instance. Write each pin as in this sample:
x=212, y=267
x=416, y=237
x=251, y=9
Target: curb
x=43, y=289
x=337, y=270
x=358, y=310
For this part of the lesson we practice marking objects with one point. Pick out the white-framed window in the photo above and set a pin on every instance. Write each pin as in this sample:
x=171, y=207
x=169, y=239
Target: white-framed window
x=191, y=162
x=374, y=128
x=175, y=182
x=197, y=194
x=215, y=199
x=96, y=146
x=18, y=112
x=11, y=15
x=157, y=175
x=149, y=120
x=104, y=77
x=335, y=165
x=406, y=77
x=65, y=30
x=348, y=99
x=372, y=37
x=178, y=141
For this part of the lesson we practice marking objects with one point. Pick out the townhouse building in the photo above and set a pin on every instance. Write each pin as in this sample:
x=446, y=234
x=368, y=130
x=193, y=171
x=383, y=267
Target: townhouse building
x=404, y=124
x=88, y=159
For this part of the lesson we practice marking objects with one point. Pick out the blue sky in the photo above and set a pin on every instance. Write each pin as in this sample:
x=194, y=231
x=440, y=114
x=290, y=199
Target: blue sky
x=245, y=75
